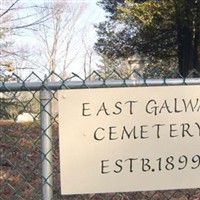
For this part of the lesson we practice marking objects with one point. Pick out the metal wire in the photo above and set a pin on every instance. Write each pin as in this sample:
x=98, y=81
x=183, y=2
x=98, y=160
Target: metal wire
x=24, y=173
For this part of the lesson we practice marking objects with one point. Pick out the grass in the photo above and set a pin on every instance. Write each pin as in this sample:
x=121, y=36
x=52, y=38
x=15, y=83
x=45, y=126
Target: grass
x=20, y=169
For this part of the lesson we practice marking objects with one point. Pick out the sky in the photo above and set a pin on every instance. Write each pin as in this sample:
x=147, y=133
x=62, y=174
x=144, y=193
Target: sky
x=93, y=14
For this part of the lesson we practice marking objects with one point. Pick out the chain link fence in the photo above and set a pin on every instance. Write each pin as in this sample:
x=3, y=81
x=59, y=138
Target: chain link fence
x=29, y=153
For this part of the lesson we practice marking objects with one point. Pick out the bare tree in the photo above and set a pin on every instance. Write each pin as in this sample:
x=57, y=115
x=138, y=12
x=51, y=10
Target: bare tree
x=15, y=18
x=59, y=37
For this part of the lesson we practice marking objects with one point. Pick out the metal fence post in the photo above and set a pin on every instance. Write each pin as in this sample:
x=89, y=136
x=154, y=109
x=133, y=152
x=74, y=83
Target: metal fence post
x=46, y=140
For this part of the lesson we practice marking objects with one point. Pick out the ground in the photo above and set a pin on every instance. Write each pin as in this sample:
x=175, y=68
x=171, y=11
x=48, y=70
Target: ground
x=20, y=168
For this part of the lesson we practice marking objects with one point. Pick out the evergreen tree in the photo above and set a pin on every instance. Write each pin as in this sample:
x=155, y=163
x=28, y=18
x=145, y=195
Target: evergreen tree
x=160, y=29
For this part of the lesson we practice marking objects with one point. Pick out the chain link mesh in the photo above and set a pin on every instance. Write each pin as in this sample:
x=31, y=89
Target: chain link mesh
x=21, y=156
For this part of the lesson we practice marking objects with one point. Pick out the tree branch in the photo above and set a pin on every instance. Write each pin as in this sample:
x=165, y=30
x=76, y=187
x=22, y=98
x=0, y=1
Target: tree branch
x=6, y=11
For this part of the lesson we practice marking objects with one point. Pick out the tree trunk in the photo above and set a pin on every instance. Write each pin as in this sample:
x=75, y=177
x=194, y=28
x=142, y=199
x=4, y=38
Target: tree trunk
x=185, y=50
x=197, y=50
x=185, y=37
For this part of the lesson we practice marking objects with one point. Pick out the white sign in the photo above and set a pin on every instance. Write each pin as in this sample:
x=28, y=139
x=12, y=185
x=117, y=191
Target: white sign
x=129, y=139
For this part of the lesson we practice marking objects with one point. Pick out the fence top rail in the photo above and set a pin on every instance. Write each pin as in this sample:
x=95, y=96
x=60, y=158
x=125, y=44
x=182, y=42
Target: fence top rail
x=70, y=84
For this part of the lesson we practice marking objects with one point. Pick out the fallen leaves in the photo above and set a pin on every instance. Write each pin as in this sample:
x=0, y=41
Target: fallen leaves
x=21, y=168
